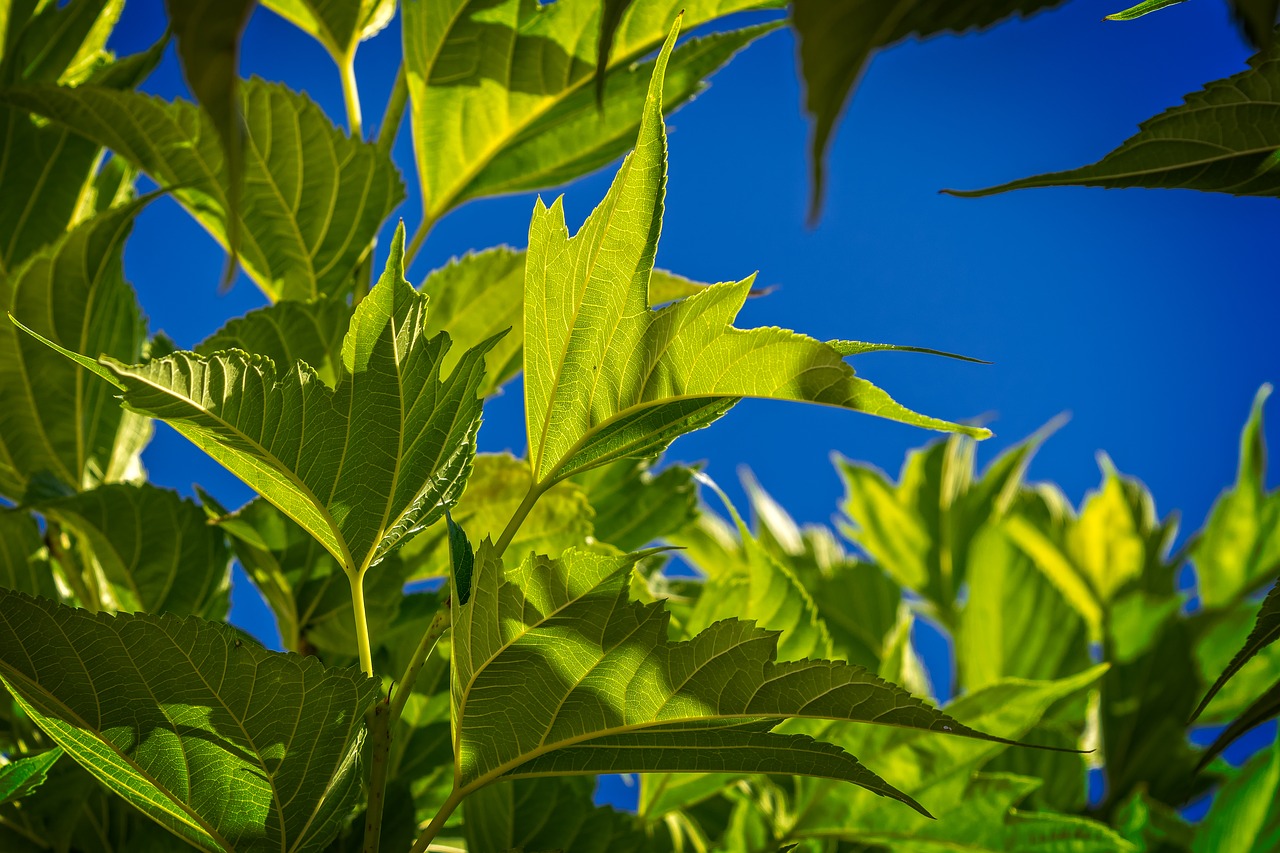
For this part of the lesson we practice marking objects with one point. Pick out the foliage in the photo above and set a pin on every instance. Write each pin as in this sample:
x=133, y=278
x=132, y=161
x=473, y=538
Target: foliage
x=774, y=699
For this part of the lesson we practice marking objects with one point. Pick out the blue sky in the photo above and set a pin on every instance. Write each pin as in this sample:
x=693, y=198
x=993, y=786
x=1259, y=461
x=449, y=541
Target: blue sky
x=1148, y=315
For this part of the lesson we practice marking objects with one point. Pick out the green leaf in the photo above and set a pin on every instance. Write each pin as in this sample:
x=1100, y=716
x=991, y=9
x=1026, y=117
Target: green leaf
x=1152, y=826
x=361, y=467
x=497, y=485
x=501, y=97
x=463, y=558
x=339, y=25
x=62, y=43
x=23, y=776
x=548, y=814
x=1244, y=817
x=607, y=378
x=1223, y=139
x=1236, y=654
x=312, y=200
x=614, y=695
x=156, y=549
x=1144, y=8
x=24, y=565
x=72, y=293
x=610, y=17
x=169, y=731
x=1258, y=18
x=208, y=36
x=838, y=39
x=289, y=332
x=1239, y=548
x=634, y=506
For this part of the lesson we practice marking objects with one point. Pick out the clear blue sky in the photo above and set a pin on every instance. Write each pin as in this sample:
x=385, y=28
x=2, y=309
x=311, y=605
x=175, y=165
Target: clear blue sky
x=1150, y=316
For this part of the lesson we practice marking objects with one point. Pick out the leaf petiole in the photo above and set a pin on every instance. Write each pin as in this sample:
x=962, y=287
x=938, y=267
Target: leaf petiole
x=362, y=622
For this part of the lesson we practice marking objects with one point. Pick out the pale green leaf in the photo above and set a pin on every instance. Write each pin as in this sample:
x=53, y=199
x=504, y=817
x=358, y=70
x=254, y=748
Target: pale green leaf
x=1144, y=8
x=291, y=331
x=235, y=749
x=548, y=814
x=1239, y=548
x=1244, y=816
x=1223, y=139
x=21, y=777
x=607, y=378
x=339, y=25
x=501, y=97
x=837, y=38
x=312, y=199
x=24, y=564
x=635, y=506
x=156, y=550
x=62, y=42
x=362, y=466
x=72, y=293
x=613, y=694
x=497, y=485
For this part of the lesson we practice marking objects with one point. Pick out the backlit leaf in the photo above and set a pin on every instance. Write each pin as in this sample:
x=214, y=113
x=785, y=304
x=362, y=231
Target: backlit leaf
x=339, y=25
x=237, y=748
x=312, y=200
x=1144, y=8
x=1243, y=817
x=634, y=506
x=21, y=777
x=548, y=814
x=289, y=332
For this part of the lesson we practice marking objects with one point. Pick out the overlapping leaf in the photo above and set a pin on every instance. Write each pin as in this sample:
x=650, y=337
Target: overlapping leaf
x=501, y=95
x=607, y=378
x=554, y=671
x=312, y=198
x=1223, y=139
x=292, y=331
x=156, y=551
x=548, y=814
x=838, y=37
x=227, y=745
x=59, y=419
x=635, y=506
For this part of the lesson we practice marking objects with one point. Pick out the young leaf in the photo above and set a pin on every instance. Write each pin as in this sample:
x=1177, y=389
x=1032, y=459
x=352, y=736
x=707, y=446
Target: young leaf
x=501, y=97
x=615, y=695
x=1239, y=548
x=608, y=378
x=23, y=776
x=73, y=293
x=236, y=748
x=1144, y=8
x=837, y=39
x=312, y=200
x=157, y=552
x=1223, y=139
x=362, y=466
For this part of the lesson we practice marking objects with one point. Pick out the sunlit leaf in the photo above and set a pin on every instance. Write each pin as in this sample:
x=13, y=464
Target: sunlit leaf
x=339, y=25
x=548, y=814
x=1258, y=19
x=1223, y=139
x=312, y=200
x=58, y=419
x=501, y=97
x=237, y=748
x=23, y=776
x=23, y=564
x=837, y=38
x=1144, y=8
x=156, y=550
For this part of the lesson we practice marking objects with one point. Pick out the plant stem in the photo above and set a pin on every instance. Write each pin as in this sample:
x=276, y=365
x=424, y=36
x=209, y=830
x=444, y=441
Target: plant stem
x=351, y=94
x=379, y=722
x=437, y=824
x=362, y=622
x=430, y=637
x=419, y=237
x=394, y=113
x=522, y=512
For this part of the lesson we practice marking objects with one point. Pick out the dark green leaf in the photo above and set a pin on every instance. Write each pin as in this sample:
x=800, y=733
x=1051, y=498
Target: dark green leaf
x=1258, y=18
x=1265, y=631
x=1144, y=8
x=339, y=25
x=463, y=558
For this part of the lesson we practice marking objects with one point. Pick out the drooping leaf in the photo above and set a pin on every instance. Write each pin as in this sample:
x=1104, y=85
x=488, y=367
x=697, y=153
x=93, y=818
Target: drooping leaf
x=237, y=748
x=1222, y=139
x=23, y=776
x=1239, y=548
x=634, y=506
x=58, y=419
x=532, y=696
x=497, y=485
x=1144, y=8
x=312, y=200
x=360, y=467
x=500, y=94
x=837, y=38
x=156, y=549
x=548, y=814
x=339, y=25
x=23, y=564
x=1243, y=817
x=606, y=378
x=289, y=332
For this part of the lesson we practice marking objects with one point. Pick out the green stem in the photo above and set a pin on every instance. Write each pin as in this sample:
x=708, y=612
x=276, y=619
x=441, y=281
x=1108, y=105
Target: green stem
x=437, y=824
x=430, y=637
x=521, y=513
x=362, y=622
x=351, y=94
x=394, y=113
x=379, y=722
x=419, y=237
